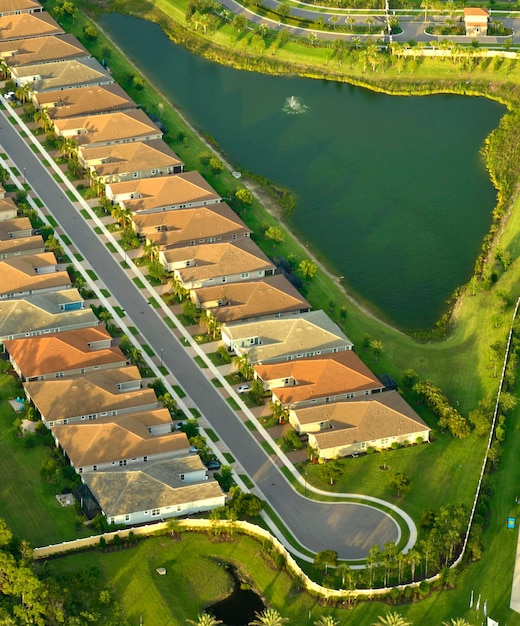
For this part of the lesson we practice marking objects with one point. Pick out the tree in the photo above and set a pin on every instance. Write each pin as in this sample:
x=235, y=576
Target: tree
x=400, y=482
x=216, y=165
x=138, y=83
x=4, y=176
x=275, y=234
x=278, y=411
x=284, y=10
x=331, y=471
x=268, y=617
x=204, y=619
x=239, y=23
x=326, y=620
x=456, y=621
x=349, y=20
x=224, y=477
x=244, y=196
x=391, y=619
x=91, y=32
x=377, y=348
x=308, y=269
x=325, y=559
x=23, y=92
x=243, y=366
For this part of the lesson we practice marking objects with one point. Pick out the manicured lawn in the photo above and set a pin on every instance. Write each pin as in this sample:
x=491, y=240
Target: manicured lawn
x=430, y=467
x=27, y=502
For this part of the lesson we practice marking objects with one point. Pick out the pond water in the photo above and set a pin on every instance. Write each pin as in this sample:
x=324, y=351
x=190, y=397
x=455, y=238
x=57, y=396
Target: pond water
x=239, y=608
x=391, y=191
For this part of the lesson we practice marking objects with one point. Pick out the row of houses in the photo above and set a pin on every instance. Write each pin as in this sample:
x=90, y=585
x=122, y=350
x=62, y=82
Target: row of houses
x=301, y=356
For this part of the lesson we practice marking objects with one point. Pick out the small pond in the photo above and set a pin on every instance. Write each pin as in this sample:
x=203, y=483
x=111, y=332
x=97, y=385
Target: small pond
x=239, y=608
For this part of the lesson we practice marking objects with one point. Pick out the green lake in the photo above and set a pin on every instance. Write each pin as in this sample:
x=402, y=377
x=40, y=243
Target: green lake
x=391, y=191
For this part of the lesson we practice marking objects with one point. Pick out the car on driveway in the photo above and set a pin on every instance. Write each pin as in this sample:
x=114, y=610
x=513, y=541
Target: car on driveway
x=213, y=464
x=243, y=388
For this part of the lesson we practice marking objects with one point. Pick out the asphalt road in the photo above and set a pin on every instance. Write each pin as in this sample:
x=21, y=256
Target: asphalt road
x=350, y=529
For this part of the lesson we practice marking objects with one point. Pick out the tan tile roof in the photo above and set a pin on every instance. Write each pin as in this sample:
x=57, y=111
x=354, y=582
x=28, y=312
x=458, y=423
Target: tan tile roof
x=20, y=245
x=213, y=260
x=125, y=158
x=122, y=492
x=319, y=377
x=62, y=74
x=19, y=274
x=18, y=5
x=186, y=225
x=185, y=188
x=93, y=392
x=39, y=313
x=28, y=25
x=38, y=50
x=250, y=299
x=119, y=437
x=384, y=415
x=13, y=226
x=475, y=12
x=62, y=352
x=294, y=335
x=107, y=127
x=84, y=101
x=6, y=206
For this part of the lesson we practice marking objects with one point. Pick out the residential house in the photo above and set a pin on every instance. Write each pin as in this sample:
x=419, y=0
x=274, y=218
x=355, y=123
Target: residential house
x=476, y=21
x=151, y=195
x=283, y=339
x=26, y=25
x=130, y=161
x=345, y=428
x=43, y=314
x=273, y=296
x=62, y=75
x=26, y=275
x=15, y=228
x=15, y=7
x=108, y=128
x=84, y=101
x=64, y=354
x=119, y=441
x=8, y=210
x=207, y=264
x=190, y=227
x=318, y=380
x=91, y=396
x=38, y=50
x=21, y=246
x=154, y=492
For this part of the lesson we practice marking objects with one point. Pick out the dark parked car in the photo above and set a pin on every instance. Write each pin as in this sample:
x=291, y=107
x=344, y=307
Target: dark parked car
x=213, y=464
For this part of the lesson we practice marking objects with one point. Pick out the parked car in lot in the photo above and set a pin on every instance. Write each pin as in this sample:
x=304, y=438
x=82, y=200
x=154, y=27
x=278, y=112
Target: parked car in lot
x=194, y=450
x=213, y=464
x=243, y=388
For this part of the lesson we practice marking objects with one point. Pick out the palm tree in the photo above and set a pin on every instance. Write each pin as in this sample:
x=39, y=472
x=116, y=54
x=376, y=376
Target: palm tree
x=242, y=364
x=279, y=411
x=23, y=92
x=268, y=617
x=204, y=619
x=212, y=324
x=326, y=620
x=456, y=621
x=391, y=619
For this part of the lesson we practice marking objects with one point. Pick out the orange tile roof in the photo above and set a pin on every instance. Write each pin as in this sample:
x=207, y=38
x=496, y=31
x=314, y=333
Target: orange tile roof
x=120, y=437
x=165, y=191
x=42, y=49
x=28, y=25
x=20, y=274
x=62, y=352
x=250, y=299
x=83, y=101
x=476, y=12
x=319, y=377
x=185, y=225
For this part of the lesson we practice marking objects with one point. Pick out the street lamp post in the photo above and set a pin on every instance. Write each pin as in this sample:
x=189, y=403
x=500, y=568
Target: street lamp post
x=305, y=483
x=161, y=358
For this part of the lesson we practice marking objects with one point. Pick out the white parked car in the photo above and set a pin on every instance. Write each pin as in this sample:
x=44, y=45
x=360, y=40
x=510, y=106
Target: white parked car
x=243, y=388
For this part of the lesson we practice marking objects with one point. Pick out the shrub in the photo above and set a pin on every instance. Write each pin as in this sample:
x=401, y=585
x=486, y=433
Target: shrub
x=370, y=450
x=395, y=445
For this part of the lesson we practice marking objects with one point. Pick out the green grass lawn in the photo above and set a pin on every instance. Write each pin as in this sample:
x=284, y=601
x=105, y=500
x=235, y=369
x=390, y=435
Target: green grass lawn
x=27, y=502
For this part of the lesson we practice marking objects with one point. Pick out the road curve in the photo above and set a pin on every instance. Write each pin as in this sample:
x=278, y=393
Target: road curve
x=349, y=528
